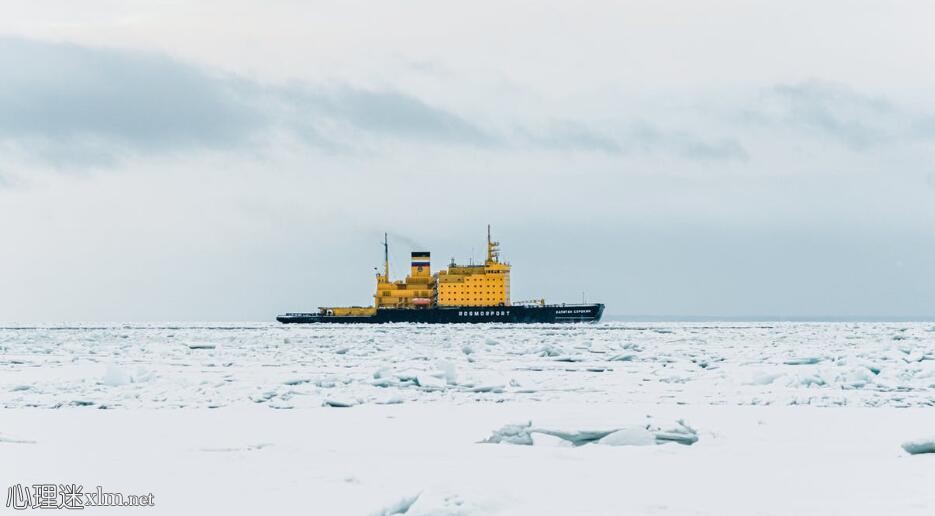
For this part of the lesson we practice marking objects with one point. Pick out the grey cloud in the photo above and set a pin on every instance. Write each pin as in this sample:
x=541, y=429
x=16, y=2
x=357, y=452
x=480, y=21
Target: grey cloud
x=389, y=113
x=565, y=135
x=854, y=119
x=7, y=181
x=924, y=127
x=78, y=97
x=69, y=103
x=635, y=137
x=685, y=144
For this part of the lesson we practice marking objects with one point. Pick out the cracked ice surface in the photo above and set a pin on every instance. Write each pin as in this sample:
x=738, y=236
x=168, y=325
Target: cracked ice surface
x=210, y=366
x=782, y=419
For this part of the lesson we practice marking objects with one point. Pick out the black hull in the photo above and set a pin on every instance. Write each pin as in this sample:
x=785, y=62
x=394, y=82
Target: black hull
x=462, y=314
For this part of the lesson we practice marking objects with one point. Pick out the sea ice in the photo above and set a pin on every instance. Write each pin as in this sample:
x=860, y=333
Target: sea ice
x=763, y=378
x=546, y=440
x=401, y=506
x=622, y=363
x=629, y=436
x=632, y=435
x=114, y=376
x=487, y=388
x=430, y=382
x=920, y=446
x=576, y=437
x=802, y=361
x=680, y=433
x=339, y=403
x=449, y=371
x=512, y=434
x=731, y=379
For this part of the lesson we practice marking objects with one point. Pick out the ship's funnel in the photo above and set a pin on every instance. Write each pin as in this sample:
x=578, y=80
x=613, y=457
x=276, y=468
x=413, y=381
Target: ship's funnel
x=421, y=264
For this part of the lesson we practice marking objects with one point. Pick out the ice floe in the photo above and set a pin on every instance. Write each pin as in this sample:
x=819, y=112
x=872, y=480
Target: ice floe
x=629, y=435
x=920, y=446
x=400, y=506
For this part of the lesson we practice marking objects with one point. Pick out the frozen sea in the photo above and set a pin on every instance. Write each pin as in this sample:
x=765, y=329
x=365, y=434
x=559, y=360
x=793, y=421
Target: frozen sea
x=611, y=418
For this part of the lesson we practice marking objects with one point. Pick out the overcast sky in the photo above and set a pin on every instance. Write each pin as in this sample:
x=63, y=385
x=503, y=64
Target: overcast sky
x=230, y=160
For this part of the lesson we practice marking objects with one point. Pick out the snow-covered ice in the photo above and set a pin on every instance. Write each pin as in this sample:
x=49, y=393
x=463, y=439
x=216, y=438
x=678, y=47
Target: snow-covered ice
x=163, y=366
x=674, y=418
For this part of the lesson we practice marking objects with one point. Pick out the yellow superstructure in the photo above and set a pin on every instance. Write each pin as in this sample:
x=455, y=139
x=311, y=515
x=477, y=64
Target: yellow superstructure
x=351, y=310
x=458, y=285
x=476, y=285
x=417, y=291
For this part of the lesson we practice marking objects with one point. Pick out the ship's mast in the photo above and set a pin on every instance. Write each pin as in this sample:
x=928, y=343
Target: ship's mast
x=493, y=249
x=386, y=259
x=489, y=253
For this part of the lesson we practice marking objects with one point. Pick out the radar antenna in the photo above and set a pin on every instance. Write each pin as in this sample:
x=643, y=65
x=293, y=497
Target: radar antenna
x=386, y=258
